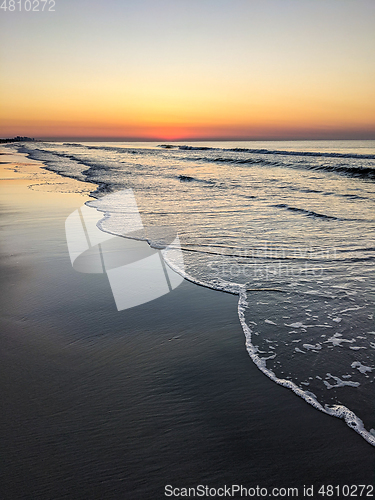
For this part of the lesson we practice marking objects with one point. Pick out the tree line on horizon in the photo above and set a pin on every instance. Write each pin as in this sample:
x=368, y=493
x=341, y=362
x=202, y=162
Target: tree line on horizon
x=18, y=138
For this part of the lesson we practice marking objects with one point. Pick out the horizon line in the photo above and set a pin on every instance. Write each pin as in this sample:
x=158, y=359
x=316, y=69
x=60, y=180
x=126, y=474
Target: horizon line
x=193, y=139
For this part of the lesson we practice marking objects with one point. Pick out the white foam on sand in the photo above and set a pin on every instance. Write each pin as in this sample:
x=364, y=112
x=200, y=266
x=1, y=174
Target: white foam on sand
x=360, y=367
x=338, y=411
x=336, y=340
x=310, y=346
x=339, y=382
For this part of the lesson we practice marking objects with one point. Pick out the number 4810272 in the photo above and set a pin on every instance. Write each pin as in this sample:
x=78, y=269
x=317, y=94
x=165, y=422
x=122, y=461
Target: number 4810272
x=28, y=5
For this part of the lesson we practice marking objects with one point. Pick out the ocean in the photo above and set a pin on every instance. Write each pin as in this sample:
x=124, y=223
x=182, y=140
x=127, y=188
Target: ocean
x=287, y=226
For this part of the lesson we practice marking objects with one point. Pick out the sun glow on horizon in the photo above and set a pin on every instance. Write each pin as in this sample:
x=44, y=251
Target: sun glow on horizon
x=236, y=69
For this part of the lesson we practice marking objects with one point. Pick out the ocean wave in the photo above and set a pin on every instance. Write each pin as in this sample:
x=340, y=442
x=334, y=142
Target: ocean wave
x=323, y=154
x=363, y=172
x=347, y=196
x=351, y=171
x=303, y=211
x=242, y=161
x=188, y=178
x=117, y=149
x=262, y=151
x=187, y=148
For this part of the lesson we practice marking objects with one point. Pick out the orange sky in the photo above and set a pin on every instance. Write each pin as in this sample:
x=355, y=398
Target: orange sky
x=173, y=69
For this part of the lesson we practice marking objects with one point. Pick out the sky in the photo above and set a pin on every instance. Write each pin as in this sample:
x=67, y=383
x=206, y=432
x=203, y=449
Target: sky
x=188, y=69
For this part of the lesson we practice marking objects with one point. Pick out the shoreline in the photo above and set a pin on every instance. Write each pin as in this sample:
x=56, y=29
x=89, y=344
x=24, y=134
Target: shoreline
x=338, y=411
x=102, y=403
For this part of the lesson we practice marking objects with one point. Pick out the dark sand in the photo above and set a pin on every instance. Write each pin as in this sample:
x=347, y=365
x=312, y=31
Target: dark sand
x=101, y=404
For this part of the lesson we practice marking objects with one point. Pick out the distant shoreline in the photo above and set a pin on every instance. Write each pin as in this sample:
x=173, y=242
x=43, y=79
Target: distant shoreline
x=18, y=138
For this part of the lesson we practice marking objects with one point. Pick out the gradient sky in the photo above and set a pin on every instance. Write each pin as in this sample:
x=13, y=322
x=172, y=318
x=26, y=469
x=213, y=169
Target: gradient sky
x=205, y=69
